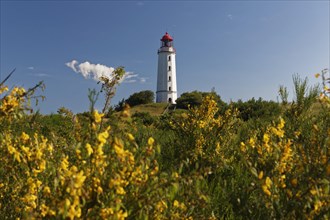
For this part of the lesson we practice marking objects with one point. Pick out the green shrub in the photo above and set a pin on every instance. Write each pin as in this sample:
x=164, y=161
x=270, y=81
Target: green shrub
x=143, y=97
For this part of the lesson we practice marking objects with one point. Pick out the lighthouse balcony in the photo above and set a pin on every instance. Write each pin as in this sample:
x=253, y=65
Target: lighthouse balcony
x=166, y=49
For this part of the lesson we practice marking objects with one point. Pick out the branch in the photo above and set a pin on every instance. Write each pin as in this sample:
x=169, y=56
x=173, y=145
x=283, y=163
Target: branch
x=7, y=77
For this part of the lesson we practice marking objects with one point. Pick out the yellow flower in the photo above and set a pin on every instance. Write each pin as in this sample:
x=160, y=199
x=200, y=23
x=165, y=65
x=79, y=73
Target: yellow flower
x=65, y=163
x=266, y=186
x=79, y=180
x=42, y=165
x=161, y=205
x=266, y=138
x=120, y=190
x=3, y=89
x=121, y=215
x=25, y=137
x=130, y=137
x=318, y=205
x=243, y=147
x=99, y=190
x=51, y=212
x=102, y=137
x=281, y=124
x=313, y=191
x=89, y=149
x=154, y=171
x=39, y=154
x=252, y=142
x=268, y=182
x=151, y=141
x=39, y=183
x=106, y=212
x=317, y=75
x=183, y=206
x=266, y=190
x=27, y=152
x=46, y=190
x=261, y=174
x=176, y=203
x=97, y=116
x=119, y=151
x=44, y=210
x=278, y=132
x=13, y=150
x=67, y=202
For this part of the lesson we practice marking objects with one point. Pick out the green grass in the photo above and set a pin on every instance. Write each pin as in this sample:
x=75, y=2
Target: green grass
x=154, y=109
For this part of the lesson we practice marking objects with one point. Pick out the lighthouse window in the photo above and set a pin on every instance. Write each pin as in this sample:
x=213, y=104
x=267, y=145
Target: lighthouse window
x=169, y=78
x=169, y=88
x=169, y=68
x=169, y=58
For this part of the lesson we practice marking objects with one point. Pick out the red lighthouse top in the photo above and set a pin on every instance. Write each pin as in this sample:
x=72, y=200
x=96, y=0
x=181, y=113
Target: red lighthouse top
x=166, y=37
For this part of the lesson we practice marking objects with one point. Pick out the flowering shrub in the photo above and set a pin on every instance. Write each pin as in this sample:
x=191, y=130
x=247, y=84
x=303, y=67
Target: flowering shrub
x=293, y=178
x=102, y=176
x=200, y=164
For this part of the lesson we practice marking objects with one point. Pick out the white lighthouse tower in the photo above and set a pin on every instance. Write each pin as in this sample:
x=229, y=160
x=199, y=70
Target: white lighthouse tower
x=166, y=78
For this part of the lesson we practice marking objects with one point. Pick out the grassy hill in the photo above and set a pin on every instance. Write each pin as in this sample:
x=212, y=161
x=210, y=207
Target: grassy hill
x=154, y=109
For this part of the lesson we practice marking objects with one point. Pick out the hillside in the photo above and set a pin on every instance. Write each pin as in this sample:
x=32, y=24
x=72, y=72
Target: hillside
x=154, y=109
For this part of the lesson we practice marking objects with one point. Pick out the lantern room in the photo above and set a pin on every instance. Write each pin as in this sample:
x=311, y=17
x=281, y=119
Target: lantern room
x=166, y=41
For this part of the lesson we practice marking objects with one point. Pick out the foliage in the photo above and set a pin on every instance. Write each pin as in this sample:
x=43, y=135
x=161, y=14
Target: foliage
x=109, y=86
x=143, y=97
x=100, y=175
x=194, y=98
x=325, y=74
x=144, y=118
x=257, y=109
x=207, y=162
x=120, y=105
x=284, y=94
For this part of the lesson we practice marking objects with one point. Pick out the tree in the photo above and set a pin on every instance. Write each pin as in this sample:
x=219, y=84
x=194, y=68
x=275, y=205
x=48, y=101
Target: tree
x=109, y=86
x=194, y=98
x=143, y=97
x=254, y=109
x=120, y=105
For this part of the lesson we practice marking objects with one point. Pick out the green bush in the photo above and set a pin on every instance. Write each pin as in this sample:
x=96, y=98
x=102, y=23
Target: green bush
x=199, y=163
x=195, y=98
x=143, y=97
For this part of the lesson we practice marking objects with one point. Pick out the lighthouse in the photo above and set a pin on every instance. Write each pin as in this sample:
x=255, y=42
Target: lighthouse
x=166, y=76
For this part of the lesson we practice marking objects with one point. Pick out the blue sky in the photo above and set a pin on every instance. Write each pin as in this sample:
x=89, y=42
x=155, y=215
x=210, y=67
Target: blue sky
x=243, y=49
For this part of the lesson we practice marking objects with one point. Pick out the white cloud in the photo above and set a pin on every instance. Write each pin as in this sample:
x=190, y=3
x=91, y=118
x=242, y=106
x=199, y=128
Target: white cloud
x=143, y=80
x=230, y=16
x=129, y=75
x=30, y=68
x=96, y=71
x=130, y=81
x=72, y=65
x=41, y=75
x=90, y=70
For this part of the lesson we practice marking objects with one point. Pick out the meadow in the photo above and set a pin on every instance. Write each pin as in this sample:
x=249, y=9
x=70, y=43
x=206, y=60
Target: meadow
x=244, y=160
